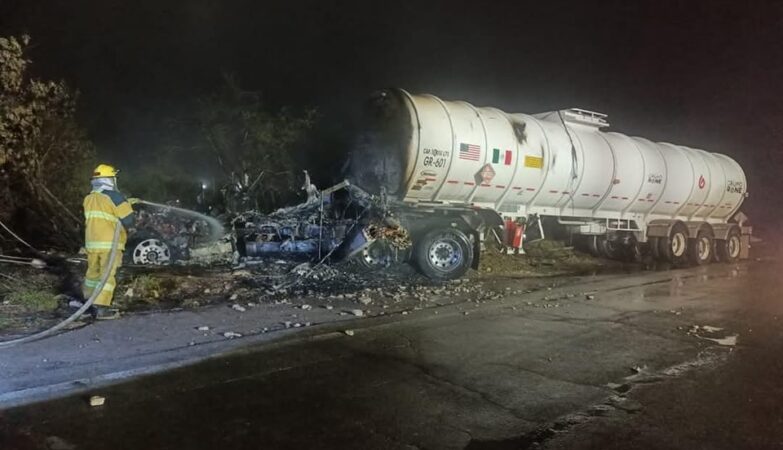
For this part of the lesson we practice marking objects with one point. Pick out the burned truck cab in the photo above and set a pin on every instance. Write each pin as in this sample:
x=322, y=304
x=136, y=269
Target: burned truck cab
x=333, y=224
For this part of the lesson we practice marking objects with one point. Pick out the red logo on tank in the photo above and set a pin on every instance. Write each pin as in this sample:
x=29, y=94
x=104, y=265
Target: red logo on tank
x=702, y=182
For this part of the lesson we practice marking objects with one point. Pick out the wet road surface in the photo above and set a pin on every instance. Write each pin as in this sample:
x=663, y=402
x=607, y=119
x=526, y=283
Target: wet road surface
x=623, y=369
x=737, y=405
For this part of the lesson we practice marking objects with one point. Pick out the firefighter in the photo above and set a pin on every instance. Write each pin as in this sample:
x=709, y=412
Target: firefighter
x=104, y=209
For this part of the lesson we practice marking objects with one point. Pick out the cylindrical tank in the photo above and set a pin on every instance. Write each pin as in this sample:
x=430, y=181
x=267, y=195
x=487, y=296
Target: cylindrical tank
x=423, y=149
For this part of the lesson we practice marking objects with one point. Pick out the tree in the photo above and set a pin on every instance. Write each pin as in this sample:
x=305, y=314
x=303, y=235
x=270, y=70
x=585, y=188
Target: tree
x=42, y=151
x=254, y=147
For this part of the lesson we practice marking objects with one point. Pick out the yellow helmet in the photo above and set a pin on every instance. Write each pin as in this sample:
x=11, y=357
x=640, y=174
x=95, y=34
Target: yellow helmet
x=105, y=171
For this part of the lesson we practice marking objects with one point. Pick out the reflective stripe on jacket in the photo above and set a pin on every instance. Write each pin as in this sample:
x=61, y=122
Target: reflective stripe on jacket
x=102, y=212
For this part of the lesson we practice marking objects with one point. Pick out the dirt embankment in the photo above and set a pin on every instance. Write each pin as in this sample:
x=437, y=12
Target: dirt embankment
x=544, y=258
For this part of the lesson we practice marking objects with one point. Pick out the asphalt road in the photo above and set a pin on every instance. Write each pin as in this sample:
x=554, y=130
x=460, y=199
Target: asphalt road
x=621, y=368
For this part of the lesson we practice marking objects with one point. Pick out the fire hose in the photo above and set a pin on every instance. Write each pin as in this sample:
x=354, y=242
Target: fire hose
x=84, y=307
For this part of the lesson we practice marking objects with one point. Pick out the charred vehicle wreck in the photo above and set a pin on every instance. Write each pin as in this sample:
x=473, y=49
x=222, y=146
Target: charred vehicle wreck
x=345, y=221
x=333, y=225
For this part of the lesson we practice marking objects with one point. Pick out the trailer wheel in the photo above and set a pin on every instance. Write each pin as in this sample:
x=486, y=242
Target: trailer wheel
x=632, y=250
x=700, y=249
x=443, y=254
x=593, y=245
x=728, y=250
x=653, y=245
x=608, y=248
x=675, y=247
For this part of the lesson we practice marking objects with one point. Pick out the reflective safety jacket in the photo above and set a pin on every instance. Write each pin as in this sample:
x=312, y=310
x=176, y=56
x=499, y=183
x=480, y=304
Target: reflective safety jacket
x=104, y=210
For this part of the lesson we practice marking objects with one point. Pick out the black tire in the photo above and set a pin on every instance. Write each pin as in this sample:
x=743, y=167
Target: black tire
x=609, y=249
x=443, y=254
x=728, y=250
x=632, y=250
x=127, y=256
x=593, y=245
x=653, y=245
x=700, y=250
x=674, y=248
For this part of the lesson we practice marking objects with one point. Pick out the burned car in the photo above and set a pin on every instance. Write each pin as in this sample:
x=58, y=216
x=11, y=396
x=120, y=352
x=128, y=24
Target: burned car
x=164, y=234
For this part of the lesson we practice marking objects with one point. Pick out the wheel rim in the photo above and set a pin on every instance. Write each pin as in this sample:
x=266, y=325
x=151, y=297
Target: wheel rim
x=445, y=254
x=376, y=256
x=151, y=252
x=678, y=244
x=704, y=248
x=734, y=246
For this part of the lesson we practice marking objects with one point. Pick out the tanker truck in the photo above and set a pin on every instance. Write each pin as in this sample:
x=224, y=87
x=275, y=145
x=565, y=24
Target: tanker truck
x=455, y=174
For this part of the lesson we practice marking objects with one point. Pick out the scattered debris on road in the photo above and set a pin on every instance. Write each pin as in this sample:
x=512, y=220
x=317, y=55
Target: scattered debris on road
x=97, y=400
x=638, y=369
x=711, y=333
x=728, y=341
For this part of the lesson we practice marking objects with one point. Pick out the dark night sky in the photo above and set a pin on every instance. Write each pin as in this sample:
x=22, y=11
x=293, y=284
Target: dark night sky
x=705, y=74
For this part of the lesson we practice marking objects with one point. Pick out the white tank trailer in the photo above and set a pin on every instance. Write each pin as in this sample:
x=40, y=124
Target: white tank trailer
x=481, y=170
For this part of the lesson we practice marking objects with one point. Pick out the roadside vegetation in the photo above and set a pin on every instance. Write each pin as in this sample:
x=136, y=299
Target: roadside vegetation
x=251, y=150
x=45, y=155
x=28, y=298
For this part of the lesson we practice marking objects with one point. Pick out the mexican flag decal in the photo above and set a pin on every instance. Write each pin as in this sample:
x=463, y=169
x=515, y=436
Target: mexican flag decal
x=498, y=156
